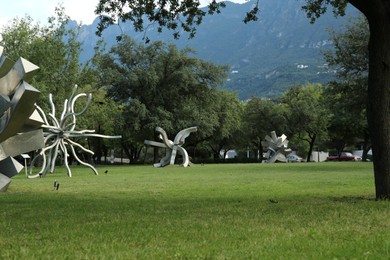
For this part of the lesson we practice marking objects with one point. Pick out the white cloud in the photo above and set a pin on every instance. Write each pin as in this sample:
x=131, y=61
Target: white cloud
x=81, y=10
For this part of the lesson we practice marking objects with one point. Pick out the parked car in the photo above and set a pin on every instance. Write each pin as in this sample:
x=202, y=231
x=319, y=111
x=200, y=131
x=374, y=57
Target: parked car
x=294, y=158
x=344, y=156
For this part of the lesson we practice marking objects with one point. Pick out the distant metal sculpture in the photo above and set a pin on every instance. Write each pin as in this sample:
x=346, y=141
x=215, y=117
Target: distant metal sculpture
x=276, y=148
x=172, y=146
x=19, y=121
x=59, y=134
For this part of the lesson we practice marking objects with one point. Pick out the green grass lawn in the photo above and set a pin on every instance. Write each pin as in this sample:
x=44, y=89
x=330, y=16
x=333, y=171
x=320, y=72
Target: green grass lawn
x=234, y=211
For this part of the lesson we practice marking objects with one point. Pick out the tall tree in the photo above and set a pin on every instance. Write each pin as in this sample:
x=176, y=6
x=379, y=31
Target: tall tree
x=187, y=14
x=260, y=117
x=377, y=13
x=53, y=47
x=104, y=116
x=347, y=96
x=228, y=110
x=306, y=115
x=159, y=85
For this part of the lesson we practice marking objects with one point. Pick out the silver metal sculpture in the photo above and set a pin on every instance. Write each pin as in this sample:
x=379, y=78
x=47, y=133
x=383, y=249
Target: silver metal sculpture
x=172, y=146
x=276, y=148
x=59, y=134
x=19, y=121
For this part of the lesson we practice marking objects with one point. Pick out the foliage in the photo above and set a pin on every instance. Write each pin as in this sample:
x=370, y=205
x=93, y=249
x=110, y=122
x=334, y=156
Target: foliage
x=350, y=53
x=211, y=211
x=53, y=48
x=316, y=8
x=160, y=85
x=260, y=117
x=225, y=135
x=175, y=15
x=347, y=97
x=104, y=116
x=377, y=13
x=56, y=50
x=307, y=116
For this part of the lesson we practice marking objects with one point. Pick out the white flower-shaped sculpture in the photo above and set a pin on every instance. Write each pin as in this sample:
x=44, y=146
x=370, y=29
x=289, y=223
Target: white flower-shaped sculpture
x=172, y=146
x=276, y=148
x=59, y=134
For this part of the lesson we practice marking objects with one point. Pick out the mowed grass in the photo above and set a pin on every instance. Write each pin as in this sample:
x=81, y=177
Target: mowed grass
x=233, y=211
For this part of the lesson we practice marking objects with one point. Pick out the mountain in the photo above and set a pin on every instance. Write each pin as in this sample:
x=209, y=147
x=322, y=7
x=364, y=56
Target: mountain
x=266, y=57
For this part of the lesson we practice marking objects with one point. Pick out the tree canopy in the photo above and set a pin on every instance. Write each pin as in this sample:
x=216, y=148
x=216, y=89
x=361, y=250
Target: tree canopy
x=347, y=96
x=160, y=85
x=175, y=15
x=53, y=48
x=260, y=117
x=306, y=115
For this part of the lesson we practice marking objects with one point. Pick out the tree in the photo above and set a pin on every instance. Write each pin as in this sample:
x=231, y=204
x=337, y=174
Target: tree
x=377, y=13
x=347, y=96
x=56, y=50
x=175, y=15
x=159, y=85
x=225, y=135
x=306, y=115
x=349, y=123
x=260, y=117
x=53, y=48
x=104, y=116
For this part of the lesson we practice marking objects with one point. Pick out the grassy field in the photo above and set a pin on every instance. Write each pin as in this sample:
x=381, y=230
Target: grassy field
x=235, y=211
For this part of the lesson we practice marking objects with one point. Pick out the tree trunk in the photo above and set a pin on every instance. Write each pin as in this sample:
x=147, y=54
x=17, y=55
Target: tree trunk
x=378, y=109
x=261, y=151
x=311, y=146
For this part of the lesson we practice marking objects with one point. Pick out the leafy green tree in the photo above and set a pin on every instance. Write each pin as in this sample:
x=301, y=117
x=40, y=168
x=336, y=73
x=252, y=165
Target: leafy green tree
x=228, y=110
x=53, y=48
x=347, y=97
x=260, y=117
x=104, y=116
x=175, y=15
x=188, y=14
x=159, y=85
x=377, y=13
x=306, y=114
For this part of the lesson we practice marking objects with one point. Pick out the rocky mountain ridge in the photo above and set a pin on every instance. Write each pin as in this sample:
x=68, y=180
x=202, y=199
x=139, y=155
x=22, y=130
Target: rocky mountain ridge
x=266, y=57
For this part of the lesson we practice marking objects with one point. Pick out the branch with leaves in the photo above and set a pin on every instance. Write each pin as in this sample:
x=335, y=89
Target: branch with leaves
x=175, y=15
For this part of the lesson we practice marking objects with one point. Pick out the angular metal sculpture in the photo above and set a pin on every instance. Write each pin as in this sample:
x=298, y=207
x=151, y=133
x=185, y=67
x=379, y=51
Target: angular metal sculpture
x=19, y=121
x=172, y=146
x=59, y=133
x=276, y=148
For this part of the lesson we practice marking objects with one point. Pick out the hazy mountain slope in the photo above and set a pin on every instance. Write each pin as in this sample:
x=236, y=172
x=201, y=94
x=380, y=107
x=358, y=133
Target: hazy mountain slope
x=279, y=50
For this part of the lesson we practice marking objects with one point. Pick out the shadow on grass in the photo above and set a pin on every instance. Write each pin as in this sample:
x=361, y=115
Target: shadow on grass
x=352, y=199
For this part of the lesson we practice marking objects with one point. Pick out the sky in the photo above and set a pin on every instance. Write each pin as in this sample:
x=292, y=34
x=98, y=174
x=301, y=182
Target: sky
x=81, y=11
x=40, y=10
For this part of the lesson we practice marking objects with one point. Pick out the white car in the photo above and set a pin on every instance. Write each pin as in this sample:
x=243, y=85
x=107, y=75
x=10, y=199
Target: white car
x=294, y=158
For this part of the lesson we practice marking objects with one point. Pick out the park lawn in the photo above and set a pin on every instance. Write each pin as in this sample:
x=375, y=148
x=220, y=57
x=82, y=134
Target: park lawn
x=221, y=211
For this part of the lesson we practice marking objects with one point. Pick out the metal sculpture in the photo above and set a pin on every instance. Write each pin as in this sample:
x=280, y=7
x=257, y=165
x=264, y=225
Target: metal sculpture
x=59, y=135
x=19, y=121
x=172, y=146
x=276, y=148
